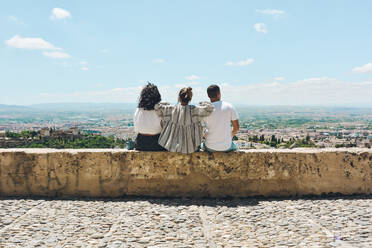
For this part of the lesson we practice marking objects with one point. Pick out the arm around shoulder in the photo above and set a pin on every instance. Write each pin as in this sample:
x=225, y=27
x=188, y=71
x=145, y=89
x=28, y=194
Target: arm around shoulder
x=204, y=109
x=160, y=108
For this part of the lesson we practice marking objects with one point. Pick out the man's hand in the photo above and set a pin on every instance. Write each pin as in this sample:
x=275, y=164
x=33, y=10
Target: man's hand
x=235, y=128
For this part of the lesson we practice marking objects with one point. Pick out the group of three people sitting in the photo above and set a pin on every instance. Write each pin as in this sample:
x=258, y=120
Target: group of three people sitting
x=182, y=127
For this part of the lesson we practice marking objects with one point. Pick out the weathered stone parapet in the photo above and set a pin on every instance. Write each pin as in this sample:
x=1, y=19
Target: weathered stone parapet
x=114, y=173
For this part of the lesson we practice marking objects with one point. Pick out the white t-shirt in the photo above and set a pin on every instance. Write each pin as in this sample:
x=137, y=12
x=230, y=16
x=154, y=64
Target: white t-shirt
x=146, y=122
x=218, y=133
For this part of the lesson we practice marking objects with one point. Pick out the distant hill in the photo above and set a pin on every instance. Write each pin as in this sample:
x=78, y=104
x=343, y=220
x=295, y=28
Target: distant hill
x=302, y=109
x=83, y=107
x=68, y=107
x=118, y=107
x=13, y=108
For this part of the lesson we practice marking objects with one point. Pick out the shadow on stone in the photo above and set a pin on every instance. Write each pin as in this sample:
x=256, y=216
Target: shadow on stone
x=211, y=202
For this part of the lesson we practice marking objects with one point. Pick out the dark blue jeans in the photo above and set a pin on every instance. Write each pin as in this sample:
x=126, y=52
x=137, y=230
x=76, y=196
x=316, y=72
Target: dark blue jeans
x=148, y=143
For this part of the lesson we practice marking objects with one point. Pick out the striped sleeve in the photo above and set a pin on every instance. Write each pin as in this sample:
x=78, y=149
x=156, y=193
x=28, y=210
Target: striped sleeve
x=204, y=109
x=161, y=109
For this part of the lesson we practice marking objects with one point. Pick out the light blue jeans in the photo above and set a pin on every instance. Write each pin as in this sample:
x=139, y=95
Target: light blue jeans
x=232, y=148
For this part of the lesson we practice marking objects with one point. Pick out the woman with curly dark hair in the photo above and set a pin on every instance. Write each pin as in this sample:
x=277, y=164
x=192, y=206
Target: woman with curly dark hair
x=146, y=121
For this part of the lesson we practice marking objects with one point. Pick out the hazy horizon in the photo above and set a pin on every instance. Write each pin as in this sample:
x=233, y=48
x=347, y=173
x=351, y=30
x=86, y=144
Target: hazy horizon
x=134, y=104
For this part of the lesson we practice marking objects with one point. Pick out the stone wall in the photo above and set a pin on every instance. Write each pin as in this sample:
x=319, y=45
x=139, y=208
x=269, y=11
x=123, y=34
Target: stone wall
x=114, y=173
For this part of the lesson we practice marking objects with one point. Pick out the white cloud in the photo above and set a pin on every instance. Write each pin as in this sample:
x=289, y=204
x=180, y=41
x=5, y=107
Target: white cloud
x=158, y=61
x=37, y=44
x=57, y=55
x=13, y=18
x=16, y=20
x=83, y=63
x=279, y=78
x=192, y=77
x=260, y=27
x=187, y=84
x=58, y=13
x=104, y=50
x=312, y=91
x=30, y=43
x=270, y=11
x=363, y=69
x=180, y=86
x=128, y=95
x=240, y=63
x=84, y=68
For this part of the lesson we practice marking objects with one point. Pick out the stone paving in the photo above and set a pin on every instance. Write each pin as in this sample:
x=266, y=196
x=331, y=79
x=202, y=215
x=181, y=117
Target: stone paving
x=154, y=222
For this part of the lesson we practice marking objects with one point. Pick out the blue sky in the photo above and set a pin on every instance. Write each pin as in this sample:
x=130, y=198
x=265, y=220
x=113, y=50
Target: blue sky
x=260, y=52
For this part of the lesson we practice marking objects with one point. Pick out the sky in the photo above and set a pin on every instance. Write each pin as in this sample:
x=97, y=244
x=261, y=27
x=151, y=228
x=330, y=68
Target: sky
x=259, y=52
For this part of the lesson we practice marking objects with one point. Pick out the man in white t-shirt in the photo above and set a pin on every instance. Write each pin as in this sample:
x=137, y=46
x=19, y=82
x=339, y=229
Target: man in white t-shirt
x=218, y=133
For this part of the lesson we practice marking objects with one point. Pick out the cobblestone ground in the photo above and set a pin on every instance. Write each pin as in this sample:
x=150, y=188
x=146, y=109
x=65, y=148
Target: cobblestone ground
x=151, y=222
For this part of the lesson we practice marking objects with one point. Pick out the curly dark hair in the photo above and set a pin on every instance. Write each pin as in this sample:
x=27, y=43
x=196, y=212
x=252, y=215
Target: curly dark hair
x=149, y=97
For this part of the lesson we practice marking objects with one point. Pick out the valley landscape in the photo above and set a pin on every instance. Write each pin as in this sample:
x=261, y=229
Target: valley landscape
x=261, y=126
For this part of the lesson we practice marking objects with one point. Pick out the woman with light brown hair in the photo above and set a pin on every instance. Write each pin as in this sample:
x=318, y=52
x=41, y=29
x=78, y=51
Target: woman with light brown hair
x=181, y=123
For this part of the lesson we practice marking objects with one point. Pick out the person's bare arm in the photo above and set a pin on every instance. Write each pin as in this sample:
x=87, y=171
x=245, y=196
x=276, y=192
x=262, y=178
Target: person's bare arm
x=235, y=127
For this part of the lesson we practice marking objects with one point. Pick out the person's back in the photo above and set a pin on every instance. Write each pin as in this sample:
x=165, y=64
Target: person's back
x=218, y=134
x=146, y=121
x=181, y=123
x=218, y=126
